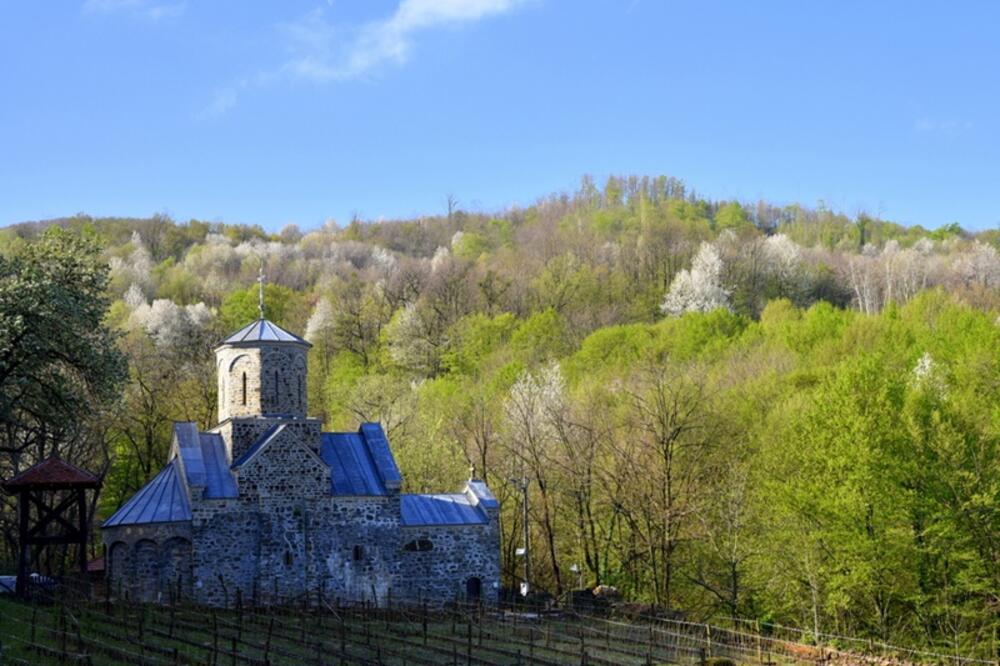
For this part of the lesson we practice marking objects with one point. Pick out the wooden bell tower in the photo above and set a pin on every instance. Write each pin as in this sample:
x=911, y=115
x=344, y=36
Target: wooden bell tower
x=57, y=491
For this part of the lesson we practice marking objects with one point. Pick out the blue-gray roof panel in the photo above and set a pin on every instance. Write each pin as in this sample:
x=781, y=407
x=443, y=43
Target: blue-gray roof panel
x=378, y=447
x=263, y=330
x=189, y=449
x=483, y=494
x=219, y=481
x=442, y=510
x=162, y=500
x=352, y=470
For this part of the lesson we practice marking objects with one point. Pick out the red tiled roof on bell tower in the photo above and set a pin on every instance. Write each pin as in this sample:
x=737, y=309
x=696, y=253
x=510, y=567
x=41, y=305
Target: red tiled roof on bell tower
x=52, y=473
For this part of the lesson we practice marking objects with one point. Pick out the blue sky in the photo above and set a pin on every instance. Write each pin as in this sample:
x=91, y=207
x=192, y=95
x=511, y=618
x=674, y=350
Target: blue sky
x=301, y=111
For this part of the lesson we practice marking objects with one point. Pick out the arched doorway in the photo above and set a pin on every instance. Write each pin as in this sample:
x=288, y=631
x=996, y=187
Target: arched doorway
x=473, y=589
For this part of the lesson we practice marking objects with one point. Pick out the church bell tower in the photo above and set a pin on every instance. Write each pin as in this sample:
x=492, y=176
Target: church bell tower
x=262, y=371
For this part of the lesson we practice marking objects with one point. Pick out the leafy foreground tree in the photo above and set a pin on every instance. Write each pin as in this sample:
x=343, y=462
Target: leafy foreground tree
x=60, y=367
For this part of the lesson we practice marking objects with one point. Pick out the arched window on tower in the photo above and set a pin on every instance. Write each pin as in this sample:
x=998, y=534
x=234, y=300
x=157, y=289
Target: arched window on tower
x=244, y=388
x=276, y=393
x=301, y=403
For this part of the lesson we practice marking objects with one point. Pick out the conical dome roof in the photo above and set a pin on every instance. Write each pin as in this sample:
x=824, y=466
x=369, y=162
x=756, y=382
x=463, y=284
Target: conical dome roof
x=263, y=330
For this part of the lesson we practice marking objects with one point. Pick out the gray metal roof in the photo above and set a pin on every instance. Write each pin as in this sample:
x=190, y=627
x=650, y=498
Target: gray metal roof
x=203, y=455
x=483, y=494
x=361, y=462
x=456, y=509
x=352, y=469
x=378, y=446
x=263, y=330
x=162, y=500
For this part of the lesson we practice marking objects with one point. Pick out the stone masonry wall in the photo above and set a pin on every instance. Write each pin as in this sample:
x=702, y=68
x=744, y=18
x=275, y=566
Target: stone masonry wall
x=275, y=380
x=457, y=554
x=232, y=364
x=283, y=380
x=286, y=468
x=240, y=433
x=149, y=563
x=279, y=548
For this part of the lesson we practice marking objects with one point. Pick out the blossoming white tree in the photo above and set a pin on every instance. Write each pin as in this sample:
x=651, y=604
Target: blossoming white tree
x=699, y=289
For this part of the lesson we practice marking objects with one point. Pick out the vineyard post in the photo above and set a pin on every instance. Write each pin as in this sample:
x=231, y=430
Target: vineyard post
x=267, y=643
x=343, y=633
x=232, y=645
x=215, y=639
x=62, y=633
x=756, y=631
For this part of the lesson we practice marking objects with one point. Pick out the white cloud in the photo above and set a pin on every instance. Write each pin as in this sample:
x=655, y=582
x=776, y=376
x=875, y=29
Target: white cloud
x=145, y=9
x=950, y=127
x=223, y=100
x=322, y=56
x=323, y=52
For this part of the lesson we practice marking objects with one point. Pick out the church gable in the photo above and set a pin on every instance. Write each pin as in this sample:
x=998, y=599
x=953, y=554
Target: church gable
x=281, y=464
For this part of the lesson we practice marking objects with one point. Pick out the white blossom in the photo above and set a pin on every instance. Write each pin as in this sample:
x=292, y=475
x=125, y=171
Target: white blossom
x=383, y=259
x=783, y=256
x=534, y=402
x=979, y=264
x=171, y=325
x=408, y=342
x=321, y=320
x=134, y=297
x=699, y=289
x=441, y=258
x=927, y=375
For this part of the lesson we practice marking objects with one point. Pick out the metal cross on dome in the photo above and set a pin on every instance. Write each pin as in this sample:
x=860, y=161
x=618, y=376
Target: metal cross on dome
x=260, y=280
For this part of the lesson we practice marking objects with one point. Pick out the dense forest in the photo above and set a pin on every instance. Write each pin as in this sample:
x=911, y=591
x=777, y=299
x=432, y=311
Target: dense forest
x=726, y=409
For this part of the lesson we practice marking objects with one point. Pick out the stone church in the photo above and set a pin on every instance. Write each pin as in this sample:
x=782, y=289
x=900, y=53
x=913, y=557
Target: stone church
x=267, y=507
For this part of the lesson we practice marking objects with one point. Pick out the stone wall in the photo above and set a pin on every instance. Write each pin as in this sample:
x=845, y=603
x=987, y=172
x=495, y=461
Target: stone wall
x=262, y=379
x=275, y=548
x=439, y=563
x=240, y=433
x=283, y=380
x=280, y=548
x=149, y=563
x=286, y=468
x=239, y=377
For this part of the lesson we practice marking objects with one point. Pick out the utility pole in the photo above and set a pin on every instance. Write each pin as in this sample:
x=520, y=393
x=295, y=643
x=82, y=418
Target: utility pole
x=522, y=484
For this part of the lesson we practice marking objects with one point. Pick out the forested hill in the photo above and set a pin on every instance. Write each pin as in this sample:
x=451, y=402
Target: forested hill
x=772, y=412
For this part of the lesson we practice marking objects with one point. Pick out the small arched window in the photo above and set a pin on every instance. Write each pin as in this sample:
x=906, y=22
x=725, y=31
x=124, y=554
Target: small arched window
x=358, y=553
x=419, y=546
x=288, y=558
x=300, y=392
x=244, y=388
x=276, y=396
